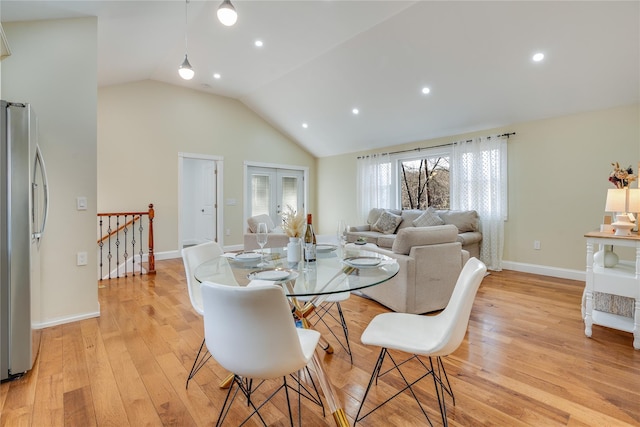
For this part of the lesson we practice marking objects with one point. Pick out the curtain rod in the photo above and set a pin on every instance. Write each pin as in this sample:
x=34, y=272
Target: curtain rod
x=507, y=135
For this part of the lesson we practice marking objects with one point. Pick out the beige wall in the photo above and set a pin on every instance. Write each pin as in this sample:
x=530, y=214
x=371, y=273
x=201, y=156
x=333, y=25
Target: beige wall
x=558, y=170
x=53, y=67
x=143, y=126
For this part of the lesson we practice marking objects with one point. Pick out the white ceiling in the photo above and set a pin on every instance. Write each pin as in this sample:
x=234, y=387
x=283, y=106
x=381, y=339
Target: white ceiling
x=322, y=58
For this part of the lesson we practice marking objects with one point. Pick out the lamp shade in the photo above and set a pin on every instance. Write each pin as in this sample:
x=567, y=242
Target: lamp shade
x=616, y=200
x=185, y=70
x=227, y=14
x=634, y=200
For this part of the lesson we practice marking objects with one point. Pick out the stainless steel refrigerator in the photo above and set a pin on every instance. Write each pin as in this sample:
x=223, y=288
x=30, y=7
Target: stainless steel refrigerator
x=23, y=212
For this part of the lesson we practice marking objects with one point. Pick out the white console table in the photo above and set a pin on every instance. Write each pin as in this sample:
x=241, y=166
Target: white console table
x=623, y=280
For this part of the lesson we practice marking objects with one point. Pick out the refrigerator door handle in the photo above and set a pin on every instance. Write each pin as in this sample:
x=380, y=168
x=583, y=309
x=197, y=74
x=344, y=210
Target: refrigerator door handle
x=38, y=229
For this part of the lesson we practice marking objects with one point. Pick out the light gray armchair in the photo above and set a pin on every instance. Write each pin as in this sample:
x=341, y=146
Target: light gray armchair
x=430, y=260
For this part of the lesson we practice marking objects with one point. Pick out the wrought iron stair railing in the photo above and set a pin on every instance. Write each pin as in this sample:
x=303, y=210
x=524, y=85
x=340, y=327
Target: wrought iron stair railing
x=120, y=233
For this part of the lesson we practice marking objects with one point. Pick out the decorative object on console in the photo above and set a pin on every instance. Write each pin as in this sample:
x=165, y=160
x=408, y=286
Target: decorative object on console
x=621, y=178
x=606, y=257
x=623, y=201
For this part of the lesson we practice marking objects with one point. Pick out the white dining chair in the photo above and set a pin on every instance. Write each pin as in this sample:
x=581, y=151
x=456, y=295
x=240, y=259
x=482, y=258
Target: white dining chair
x=261, y=342
x=192, y=257
x=427, y=336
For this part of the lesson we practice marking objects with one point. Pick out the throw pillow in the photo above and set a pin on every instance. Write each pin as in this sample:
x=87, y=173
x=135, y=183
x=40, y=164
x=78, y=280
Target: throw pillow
x=428, y=219
x=255, y=220
x=464, y=220
x=408, y=216
x=387, y=223
x=374, y=215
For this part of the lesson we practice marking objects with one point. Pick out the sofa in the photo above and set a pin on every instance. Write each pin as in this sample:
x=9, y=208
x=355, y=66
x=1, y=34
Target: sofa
x=277, y=238
x=383, y=226
x=430, y=260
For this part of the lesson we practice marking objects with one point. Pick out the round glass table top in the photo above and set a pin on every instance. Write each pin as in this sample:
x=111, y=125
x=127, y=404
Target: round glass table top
x=334, y=271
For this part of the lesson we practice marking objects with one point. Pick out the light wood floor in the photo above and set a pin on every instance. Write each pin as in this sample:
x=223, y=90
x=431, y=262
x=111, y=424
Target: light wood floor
x=524, y=362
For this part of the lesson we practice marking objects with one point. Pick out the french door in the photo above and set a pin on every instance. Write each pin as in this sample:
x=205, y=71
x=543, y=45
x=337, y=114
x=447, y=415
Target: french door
x=270, y=190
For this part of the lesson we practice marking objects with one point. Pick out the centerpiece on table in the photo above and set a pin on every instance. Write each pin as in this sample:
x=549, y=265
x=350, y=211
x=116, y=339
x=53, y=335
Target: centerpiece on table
x=293, y=224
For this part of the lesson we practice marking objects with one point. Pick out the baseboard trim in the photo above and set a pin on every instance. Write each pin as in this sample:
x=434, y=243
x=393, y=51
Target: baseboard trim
x=65, y=319
x=543, y=270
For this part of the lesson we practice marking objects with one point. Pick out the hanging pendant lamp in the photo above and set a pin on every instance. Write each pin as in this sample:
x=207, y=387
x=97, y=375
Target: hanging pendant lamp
x=227, y=14
x=185, y=70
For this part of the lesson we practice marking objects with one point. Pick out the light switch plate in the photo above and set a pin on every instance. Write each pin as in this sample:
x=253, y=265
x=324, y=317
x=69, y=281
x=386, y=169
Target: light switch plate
x=81, y=203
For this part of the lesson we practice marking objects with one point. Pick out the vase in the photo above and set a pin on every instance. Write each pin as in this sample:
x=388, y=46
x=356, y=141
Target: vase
x=293, y=250
x=605, y=258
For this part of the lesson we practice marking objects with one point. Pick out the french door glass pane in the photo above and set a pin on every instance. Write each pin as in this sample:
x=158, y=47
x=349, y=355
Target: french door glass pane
x=261, y=190
x=290, y=192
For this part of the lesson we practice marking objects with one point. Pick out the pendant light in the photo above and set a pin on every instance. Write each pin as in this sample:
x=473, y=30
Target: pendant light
x=185, y=70
x=227, y=14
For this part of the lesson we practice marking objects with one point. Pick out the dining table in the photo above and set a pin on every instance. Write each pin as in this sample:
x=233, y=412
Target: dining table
x=337, y=269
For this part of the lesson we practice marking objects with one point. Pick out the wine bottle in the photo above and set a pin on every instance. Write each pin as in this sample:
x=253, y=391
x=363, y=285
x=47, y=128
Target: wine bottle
x=309, y=242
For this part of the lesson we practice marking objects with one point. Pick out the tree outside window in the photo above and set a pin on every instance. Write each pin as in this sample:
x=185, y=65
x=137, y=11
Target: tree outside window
x=424, y=182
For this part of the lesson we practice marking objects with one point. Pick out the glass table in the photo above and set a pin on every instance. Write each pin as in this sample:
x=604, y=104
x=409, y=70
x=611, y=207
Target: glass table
x=306, y=284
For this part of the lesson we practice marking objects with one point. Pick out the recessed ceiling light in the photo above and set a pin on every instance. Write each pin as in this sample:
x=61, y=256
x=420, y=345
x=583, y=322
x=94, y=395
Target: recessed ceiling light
x=304, y=125
x=538, y=57
x=426, y=90
x=355, y=111
x=216, y=76
x=258, y=43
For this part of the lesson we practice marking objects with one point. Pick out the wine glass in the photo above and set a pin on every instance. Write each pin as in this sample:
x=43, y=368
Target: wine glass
x=262, y=236
x=342, y=233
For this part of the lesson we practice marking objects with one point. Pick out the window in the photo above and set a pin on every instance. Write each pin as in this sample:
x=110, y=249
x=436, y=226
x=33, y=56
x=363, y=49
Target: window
x=424, y=182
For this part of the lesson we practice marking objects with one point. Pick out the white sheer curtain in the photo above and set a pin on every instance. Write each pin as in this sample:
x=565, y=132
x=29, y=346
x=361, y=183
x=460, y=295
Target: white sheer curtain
x=479, y=181
x=375, y=182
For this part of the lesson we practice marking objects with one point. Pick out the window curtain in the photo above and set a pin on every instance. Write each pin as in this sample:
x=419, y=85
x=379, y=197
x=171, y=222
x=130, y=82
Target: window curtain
x=479, y=182
x=375, y=182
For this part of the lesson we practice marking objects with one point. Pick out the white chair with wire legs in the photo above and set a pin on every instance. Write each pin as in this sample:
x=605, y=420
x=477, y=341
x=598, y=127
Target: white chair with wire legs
x=426, y=336
x=192, y=257
x=261, y=342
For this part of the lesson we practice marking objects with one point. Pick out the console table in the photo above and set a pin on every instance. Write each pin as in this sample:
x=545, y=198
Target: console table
x=622, y=279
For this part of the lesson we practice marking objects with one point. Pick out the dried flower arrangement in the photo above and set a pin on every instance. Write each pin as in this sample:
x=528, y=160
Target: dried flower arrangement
x=621, y=178
x=292, y=223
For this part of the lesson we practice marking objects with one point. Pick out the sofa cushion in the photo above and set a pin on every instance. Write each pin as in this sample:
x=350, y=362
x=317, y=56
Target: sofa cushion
x=255, y=220
x=387, y=223
x=428, y=218
x=408, y=216
x=464, y=220
x=420, y=236
x=374, y=214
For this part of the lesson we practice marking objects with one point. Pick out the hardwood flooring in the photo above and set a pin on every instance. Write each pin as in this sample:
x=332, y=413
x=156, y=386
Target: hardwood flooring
x=524, y=362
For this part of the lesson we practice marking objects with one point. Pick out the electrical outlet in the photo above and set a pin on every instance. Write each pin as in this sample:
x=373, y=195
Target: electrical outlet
x=227, y=232
x=81, y=258
x=536, y=245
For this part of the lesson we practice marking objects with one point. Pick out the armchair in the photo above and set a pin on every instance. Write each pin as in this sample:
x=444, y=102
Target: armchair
x=430, y=260
x=277, y=237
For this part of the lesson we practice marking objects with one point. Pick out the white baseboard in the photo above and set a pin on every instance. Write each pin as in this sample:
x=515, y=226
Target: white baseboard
x=65, y=319
x=543, y=270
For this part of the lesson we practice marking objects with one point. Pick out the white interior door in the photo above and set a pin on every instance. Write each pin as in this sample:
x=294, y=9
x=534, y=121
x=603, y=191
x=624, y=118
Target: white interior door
x=270, y=190
x=198, y=200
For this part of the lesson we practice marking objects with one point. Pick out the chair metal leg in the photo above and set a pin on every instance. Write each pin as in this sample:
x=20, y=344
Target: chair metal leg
x=201, y=359
x=325, y=309
x=440, y=381
x=244, y=385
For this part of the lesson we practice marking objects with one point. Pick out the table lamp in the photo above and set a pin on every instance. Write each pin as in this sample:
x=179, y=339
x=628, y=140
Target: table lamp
x=623, y=201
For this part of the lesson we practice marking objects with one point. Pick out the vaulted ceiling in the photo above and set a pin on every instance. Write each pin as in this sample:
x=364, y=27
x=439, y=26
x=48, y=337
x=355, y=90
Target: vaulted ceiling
x=321, y=59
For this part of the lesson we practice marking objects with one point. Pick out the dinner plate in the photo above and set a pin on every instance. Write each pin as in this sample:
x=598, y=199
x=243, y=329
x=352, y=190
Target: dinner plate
x=247, y=257
x=326, y=248
x=363, y=262
x=274, y=275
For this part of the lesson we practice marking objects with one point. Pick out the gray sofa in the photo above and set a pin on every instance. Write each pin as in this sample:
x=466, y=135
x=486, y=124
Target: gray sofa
x=380, y=229
x=430, y=260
